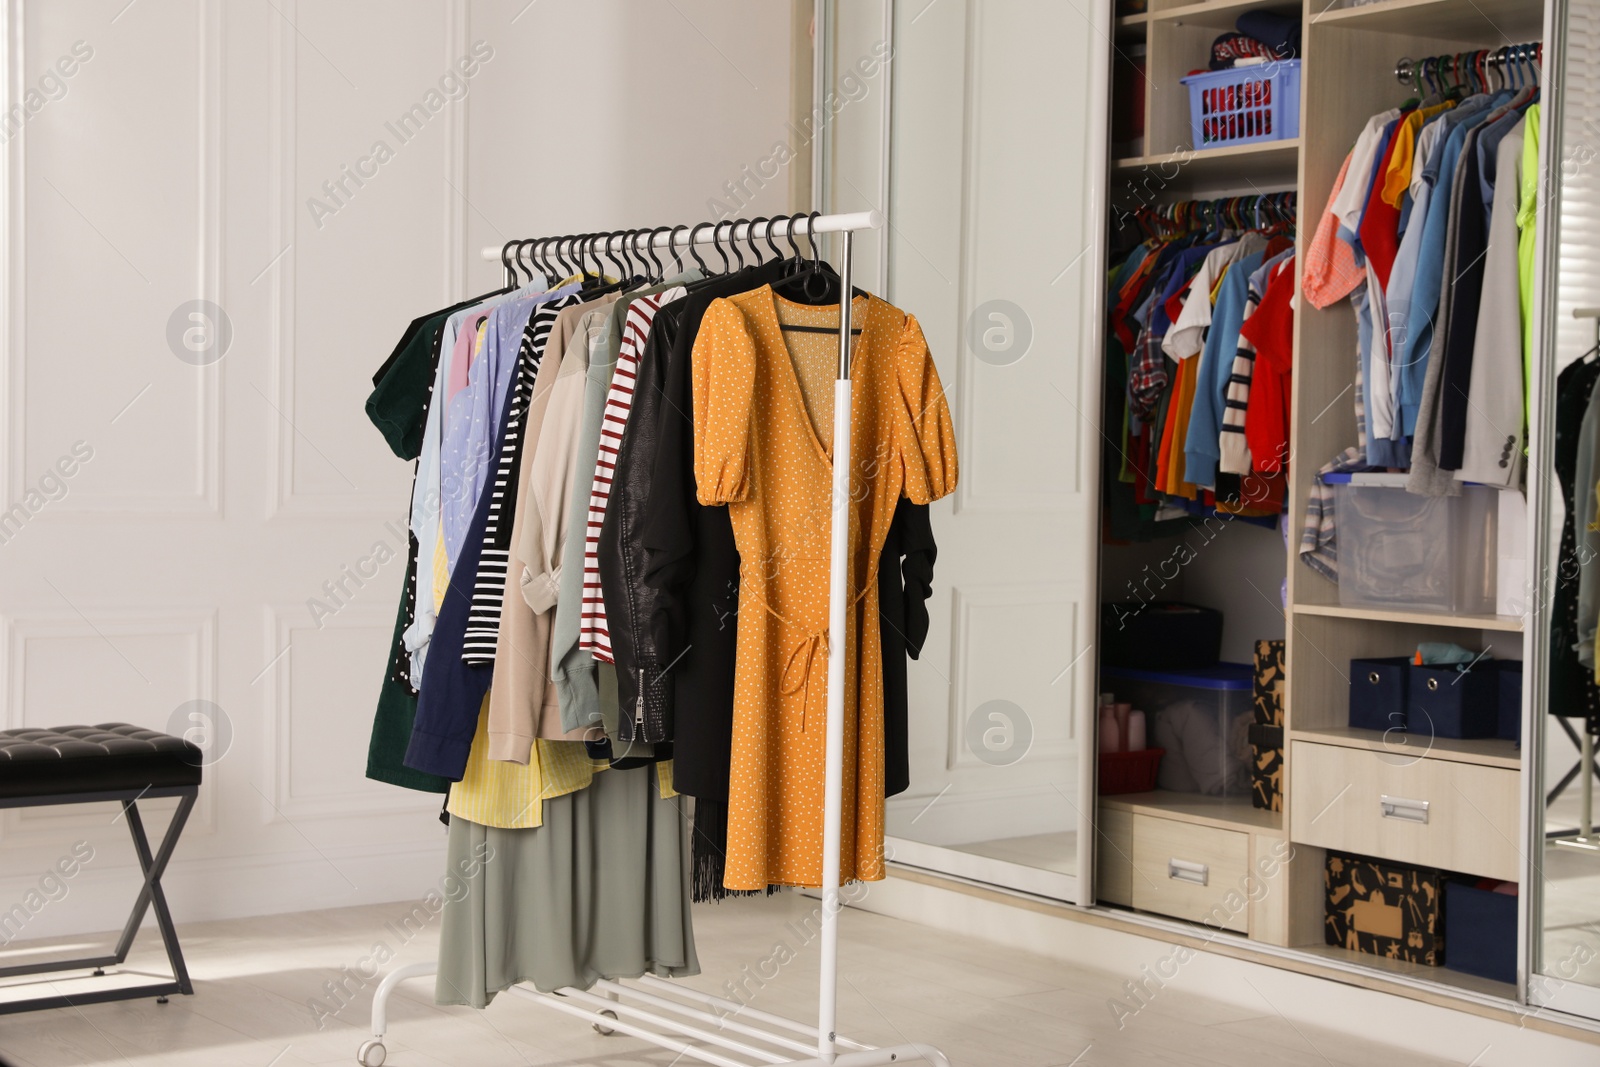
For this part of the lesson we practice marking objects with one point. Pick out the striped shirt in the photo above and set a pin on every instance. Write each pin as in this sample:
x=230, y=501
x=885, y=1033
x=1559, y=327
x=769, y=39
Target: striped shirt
x=593, y=635
x=488, y=593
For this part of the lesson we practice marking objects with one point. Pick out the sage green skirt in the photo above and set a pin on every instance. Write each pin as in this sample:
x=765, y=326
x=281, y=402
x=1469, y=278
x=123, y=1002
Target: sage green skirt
x=601, y=890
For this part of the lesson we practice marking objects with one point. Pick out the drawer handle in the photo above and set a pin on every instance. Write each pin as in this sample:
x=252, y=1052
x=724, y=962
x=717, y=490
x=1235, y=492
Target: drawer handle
x=1373, y=678
x=1403, y=809
x=1186, y=871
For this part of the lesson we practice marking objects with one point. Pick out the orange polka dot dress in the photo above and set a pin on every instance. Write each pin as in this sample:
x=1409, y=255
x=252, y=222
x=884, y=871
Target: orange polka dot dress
x=763, y=419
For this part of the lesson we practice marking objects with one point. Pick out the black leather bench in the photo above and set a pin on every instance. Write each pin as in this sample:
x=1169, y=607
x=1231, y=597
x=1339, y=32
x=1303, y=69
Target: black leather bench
x=90, y=764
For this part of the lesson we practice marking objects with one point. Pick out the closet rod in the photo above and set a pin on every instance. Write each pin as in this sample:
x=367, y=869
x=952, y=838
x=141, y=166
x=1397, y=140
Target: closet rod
x=644, y=1024
x=713, y=230
x=1532, y=52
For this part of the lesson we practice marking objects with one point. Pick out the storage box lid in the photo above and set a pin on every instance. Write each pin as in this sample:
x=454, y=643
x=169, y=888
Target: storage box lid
x=1222, y=676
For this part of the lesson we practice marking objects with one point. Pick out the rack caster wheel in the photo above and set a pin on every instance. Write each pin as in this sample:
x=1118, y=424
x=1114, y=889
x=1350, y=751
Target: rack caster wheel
x=161, y=1000
x=372, y=1053
x=602, y=1029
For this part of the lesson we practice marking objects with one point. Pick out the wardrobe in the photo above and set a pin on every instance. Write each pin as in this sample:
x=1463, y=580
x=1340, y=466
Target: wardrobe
x=1264, y=869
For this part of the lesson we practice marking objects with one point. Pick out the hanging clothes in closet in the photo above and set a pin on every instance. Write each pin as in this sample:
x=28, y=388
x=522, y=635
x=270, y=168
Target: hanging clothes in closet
x=1198, y=365
x=591, y=455
x=1428, y=231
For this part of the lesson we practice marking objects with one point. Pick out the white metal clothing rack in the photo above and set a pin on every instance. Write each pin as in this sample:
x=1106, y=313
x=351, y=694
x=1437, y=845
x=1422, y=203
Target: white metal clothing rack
x=697, y=1025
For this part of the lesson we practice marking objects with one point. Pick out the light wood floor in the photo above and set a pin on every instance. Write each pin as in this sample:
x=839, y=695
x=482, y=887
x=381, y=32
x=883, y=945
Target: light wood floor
x=985, y=1006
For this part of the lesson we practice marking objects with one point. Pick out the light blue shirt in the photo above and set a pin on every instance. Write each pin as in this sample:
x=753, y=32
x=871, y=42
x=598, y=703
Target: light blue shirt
x=471, y=417
x=427, y=493
x=1407, y=377
x=1202, y=448
x=1411, y=354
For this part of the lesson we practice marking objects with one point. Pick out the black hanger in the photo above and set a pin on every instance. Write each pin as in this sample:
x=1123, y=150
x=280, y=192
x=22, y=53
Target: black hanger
x=558, y=253
x=794, y=246
x=505, y=260
x=695, y=251
x=618, y=254
x=716, y=242
x=639, y=248
x=672, y=247
x=814, y=281
x=750, y=235
x=528, y=263
x=733, y=243
x=777, y=253
x=650, y=250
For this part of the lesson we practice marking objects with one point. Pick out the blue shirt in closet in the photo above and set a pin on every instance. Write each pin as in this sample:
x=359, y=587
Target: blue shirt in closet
x=1202, y=447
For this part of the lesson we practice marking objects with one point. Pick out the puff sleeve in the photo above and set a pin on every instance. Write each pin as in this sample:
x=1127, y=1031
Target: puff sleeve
x=926, y=440
x=724, y=364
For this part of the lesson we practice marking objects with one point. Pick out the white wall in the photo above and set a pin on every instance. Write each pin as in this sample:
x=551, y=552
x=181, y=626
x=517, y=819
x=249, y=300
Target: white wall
x=176, y=163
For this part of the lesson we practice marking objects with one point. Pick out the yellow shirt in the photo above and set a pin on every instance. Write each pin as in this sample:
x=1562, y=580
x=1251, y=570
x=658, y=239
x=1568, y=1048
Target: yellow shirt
x=511, y=796
x=1397, y=179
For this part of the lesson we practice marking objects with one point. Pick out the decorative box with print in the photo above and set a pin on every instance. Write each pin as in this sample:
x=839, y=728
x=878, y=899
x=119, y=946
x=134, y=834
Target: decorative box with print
x=1266, y=767
x=1269, y=683
x=1386, y=909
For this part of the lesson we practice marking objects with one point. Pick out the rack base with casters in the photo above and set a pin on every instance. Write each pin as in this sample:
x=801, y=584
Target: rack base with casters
x=695, y=1025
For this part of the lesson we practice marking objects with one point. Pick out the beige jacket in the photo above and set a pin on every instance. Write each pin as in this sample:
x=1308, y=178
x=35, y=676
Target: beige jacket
x=523, y=703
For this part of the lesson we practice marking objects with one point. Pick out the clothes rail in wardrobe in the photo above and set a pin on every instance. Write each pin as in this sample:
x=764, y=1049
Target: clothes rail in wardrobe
x=693, y=1024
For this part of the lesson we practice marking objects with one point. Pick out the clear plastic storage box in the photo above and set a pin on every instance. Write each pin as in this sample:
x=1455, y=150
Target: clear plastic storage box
x=1201, y=717
x=1398, y=549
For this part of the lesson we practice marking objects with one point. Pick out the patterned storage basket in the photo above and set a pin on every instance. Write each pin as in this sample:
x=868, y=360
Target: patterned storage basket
x=1245, y=105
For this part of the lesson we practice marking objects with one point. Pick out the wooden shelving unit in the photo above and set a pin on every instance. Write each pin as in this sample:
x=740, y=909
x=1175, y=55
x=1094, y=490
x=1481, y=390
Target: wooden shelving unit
x=1349, y=57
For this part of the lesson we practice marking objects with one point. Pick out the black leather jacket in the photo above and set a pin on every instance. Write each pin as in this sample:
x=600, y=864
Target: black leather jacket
x=644, y=703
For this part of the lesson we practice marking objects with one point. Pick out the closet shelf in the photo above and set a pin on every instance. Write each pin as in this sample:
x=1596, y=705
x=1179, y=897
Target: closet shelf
x=1227, y=813
x=1509, y=623
x=1487, y=21
x=1272, y=166
x=1485, y=752
x=1223, y=14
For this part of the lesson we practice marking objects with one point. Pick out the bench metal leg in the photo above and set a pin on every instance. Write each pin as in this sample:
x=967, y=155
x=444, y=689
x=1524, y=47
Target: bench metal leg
x=150, y=895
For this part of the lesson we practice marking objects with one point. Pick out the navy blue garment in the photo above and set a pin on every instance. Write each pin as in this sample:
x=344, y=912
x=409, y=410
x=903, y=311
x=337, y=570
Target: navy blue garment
x=452, y=689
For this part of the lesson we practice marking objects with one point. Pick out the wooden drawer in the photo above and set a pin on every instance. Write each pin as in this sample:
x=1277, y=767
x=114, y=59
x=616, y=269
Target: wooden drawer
x=1186, y=871
x=1113, y=858
x=1431, y=812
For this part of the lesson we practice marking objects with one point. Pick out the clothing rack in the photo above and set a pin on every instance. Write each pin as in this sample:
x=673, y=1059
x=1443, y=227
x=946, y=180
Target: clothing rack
x=654, y=1010
x=1520, y=60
